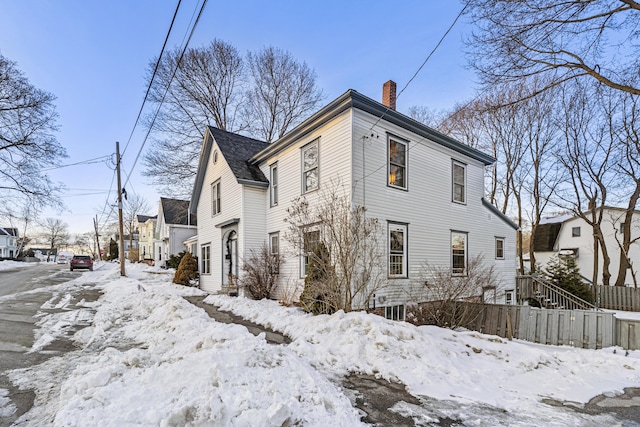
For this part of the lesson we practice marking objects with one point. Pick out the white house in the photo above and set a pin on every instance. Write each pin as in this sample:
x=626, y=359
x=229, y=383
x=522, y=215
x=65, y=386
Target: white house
x=425, y=188
x=8, y=242
x=174, y=225
x=571, y=236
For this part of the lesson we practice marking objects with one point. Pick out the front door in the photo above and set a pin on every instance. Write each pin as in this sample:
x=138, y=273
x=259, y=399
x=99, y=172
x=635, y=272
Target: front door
x=230, y=258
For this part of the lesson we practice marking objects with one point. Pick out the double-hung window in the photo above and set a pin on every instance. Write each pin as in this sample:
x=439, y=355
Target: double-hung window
x=458, y=184
x=499, y=247
x=397, y=163
x=310, y=178
x=397, y=250
x=215, y=198
x=311, y=240
x=205, y=259
x=458, y=253
x=274, y=249
x=274, y=184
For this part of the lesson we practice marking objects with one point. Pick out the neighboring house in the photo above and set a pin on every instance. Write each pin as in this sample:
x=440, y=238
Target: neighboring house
x=425, y=188
x=571, y=236
x=45, y=254
x=146, y=226
x=174, y=225
x=8, y=242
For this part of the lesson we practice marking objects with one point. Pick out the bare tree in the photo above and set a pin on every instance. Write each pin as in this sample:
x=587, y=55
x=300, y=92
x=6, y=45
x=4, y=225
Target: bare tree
x=560, y=40
x=351, y=264
x=449, y=298
x=133, y=206
x=261, y=272
x=589, y=158
x=428, y=116
x=522, y=138
x=207, y=89
x=27, y=142
x=212, y=86
x=56, y=233
x=283, y=92
x=20, y=217
x=86, y=242
x=628, y=139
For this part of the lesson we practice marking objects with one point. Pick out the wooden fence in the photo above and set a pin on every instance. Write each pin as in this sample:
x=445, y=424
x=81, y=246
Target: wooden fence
x=577, y=328
x=618, y=298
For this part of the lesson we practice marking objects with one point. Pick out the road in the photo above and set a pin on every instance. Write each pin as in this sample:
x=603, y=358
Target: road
x=23, y=291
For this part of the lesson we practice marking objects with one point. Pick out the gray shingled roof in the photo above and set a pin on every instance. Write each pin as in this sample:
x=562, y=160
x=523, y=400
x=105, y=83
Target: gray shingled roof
x=237, y=149
x=9, y=231
x=144, y=218
x=177, y=212
x=546, y=235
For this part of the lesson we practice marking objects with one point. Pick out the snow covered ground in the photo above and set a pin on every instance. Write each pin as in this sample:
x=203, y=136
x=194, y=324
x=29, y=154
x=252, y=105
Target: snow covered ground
x=8, y=264
x=151, y=358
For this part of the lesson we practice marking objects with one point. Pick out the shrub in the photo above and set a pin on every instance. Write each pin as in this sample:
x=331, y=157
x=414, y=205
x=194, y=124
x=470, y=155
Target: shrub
x=452, y=301
x=564, y=273
x=261, y=268
x=174, y=260
x=187, y=271
x=319, y=295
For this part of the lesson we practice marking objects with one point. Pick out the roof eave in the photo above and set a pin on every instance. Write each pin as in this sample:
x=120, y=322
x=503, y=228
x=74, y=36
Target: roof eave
x=499, y=214
x=353, y=99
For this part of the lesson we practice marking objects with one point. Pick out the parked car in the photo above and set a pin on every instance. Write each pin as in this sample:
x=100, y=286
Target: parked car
x=81, y=261
x=64, y=257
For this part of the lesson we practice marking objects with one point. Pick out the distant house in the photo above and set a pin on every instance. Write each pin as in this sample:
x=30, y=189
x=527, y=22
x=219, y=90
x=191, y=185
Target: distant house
x=175, y=224
x=571, y=236
x=426, y=190
x=8, y=242
x=146, y=226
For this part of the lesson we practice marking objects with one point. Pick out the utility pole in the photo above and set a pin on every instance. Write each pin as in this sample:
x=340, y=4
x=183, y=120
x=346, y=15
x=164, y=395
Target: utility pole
x=95, y=226
x=120, y=227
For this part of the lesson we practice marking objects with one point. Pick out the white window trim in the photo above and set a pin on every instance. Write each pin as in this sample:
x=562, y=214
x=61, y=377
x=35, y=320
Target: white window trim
x=395, y=312
x=273, y=193
x=406, y=162
x=303, y=254
x=502, y=239
x=466, y=252
x=205, y=263
x=304, y=149
x=215, y=198
x=275, y=235
x=455, y=163
x=397, y=226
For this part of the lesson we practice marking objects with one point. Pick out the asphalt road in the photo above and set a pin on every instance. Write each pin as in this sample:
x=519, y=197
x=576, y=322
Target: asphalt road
x=23, y=291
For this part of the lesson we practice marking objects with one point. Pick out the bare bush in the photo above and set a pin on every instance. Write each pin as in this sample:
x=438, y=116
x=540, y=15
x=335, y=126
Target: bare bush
x=261, y=272
x=350, y=272
x=451, y=297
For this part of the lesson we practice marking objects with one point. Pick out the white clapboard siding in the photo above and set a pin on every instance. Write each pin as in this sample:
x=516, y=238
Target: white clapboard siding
x=426, y=207
x=334, y=143
x=231, y=207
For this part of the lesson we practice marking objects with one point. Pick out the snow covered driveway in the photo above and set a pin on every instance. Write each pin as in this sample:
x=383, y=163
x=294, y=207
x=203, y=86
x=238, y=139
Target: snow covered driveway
x=151, y=358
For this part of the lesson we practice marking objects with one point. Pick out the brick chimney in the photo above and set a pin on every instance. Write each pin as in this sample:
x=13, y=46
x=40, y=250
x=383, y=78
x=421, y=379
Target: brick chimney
x=389, y=94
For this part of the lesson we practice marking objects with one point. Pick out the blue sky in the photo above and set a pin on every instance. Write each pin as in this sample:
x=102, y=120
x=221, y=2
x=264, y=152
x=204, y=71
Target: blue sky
x=93, y=56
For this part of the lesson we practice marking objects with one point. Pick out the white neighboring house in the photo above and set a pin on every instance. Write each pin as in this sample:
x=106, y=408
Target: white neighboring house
x=174, y=225
x=8, y=242
x=425, y=188
x=571, y=236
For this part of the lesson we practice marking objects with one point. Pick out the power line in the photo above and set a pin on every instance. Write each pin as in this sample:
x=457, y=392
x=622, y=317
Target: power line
x=424, y=62
x=407, y=85
x=82, y=162
x=175, y=70
x=153, y=76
